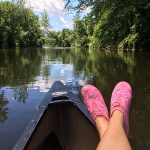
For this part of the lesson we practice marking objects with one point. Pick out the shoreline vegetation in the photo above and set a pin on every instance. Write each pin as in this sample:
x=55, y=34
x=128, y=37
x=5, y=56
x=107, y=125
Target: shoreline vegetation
x=109, y=25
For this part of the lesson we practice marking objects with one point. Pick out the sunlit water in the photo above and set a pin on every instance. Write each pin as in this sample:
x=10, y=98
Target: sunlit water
x=27, y=74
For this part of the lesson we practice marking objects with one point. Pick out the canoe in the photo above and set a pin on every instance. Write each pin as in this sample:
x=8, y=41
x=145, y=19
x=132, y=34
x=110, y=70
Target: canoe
x=61, y=122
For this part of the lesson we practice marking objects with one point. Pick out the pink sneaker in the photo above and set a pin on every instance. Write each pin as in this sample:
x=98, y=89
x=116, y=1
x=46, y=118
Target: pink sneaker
x=121, y=100
x=94, y=101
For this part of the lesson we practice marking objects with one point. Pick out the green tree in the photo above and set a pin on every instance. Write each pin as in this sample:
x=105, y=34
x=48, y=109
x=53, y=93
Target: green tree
x=80, y=31
x=45, y=27
x=19, y=26
x=115, y=24
x=62, y=38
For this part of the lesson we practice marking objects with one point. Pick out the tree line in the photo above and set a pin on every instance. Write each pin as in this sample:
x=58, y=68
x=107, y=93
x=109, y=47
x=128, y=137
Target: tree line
x=62, y=38
x=111, y=24
x=20, y=27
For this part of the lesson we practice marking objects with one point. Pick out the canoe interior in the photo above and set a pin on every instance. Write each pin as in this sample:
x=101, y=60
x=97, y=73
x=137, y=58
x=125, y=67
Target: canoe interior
x=63, y=127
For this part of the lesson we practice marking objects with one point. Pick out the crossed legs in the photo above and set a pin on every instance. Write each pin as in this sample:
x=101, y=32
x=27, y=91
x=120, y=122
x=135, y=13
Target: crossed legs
x=112, y=134
x=113, y=131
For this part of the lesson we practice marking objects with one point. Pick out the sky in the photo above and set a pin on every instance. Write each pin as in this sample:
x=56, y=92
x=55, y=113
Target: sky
x=58, y=17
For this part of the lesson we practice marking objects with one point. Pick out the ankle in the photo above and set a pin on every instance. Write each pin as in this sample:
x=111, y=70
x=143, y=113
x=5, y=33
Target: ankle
x=101, y=120
x=117, y=116
x=101, y=125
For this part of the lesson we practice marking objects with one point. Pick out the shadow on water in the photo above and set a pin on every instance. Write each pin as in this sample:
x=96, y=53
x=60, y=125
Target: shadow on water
x=140, y=112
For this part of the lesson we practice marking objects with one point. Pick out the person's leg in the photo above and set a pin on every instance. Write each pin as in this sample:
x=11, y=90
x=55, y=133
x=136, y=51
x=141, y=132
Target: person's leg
x=95, y=104
x=101, y=125
x=113, y=133
x=114, y=137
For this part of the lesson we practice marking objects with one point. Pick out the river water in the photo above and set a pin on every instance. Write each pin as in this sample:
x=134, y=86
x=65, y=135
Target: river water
x=27, y=74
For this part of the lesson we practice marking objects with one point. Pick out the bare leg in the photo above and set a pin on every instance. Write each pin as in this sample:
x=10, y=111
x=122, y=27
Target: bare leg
x=114, y=137
x=101, y=124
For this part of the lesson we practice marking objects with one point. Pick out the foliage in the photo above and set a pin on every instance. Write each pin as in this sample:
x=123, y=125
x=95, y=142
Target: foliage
x=45, y=27
x=19, y=26
x=80, y=31
x=62, y=38
x=113, y=24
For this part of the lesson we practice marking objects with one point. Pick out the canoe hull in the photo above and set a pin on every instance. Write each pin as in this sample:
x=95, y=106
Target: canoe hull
x=60, y=124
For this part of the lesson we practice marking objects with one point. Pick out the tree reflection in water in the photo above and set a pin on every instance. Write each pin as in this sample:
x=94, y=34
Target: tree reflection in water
x=3, y=106
x=20, y=93
x=18, y=68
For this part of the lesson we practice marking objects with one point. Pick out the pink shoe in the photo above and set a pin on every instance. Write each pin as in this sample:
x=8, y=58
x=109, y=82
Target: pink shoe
x=94, y=101
x=121, y=100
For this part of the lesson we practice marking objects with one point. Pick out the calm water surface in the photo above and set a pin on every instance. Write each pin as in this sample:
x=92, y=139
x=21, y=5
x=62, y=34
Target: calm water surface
x=27, y=74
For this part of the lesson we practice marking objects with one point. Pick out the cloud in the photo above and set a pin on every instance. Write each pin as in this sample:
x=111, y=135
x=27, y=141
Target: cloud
x=66, y=23
x=52, y=7
x=56, y=11
x=87, y=10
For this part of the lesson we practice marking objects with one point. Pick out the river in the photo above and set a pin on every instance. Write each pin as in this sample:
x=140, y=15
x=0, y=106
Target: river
x=27, y=74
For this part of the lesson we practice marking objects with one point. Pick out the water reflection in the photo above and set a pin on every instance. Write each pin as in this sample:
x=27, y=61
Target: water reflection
x=20, y=93
x=140, y=115
x=19, y=67
x=3, y=106
x=30, y=72
x=103, y=69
